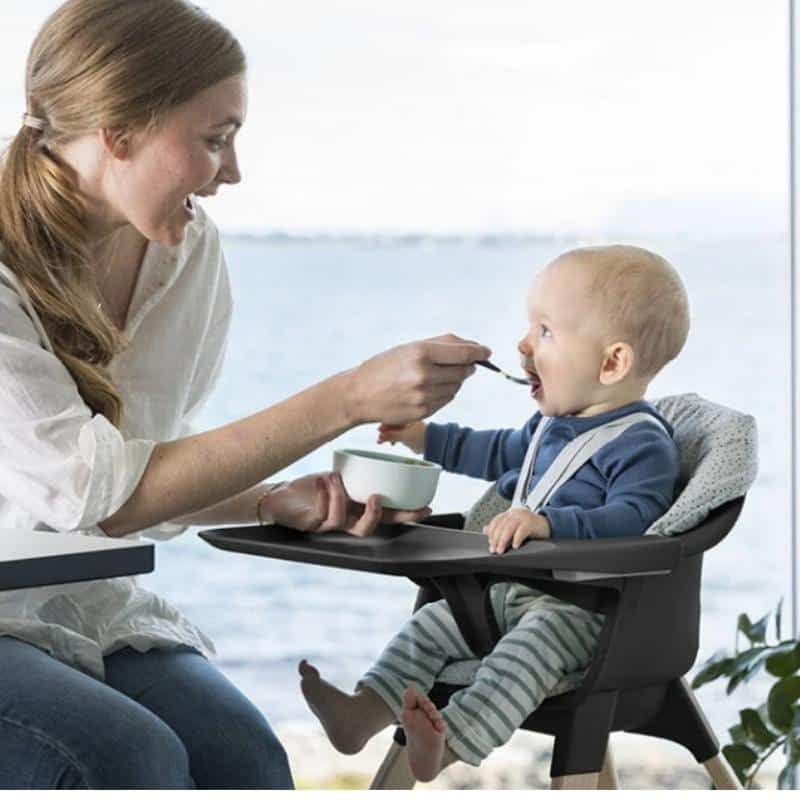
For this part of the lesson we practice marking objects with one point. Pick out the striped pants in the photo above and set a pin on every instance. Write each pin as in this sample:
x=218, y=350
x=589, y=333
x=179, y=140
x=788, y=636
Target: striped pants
x=544, y=639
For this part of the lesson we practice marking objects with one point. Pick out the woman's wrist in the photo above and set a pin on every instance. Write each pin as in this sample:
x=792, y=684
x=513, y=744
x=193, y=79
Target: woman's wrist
x=345, y=387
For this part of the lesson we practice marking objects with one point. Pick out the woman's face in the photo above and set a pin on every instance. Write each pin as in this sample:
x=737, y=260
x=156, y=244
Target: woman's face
x=192, y=153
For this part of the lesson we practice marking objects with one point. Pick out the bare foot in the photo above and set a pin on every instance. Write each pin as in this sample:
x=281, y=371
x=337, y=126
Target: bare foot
x=424, y=727
x=349, y=720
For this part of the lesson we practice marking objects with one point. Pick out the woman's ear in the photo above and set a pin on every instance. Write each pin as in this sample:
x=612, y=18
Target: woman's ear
x=115, y=141
x=617, y=363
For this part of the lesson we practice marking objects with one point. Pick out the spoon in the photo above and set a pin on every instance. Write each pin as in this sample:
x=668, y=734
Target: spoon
x=493, y=368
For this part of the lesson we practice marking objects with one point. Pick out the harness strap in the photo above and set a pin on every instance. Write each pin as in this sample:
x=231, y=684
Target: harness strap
x=571, y=458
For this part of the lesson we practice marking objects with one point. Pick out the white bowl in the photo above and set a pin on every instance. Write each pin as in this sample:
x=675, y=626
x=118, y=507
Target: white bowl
x=403, y=483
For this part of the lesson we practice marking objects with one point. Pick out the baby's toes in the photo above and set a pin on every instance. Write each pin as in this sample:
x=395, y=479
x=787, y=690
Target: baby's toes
x=432, y=712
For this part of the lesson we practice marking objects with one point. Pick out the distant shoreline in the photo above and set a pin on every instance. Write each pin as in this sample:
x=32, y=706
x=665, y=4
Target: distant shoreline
x=488, y=240
x=401, y=239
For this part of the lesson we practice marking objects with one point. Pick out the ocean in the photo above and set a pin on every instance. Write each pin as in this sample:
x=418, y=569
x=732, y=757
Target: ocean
x=306, y=308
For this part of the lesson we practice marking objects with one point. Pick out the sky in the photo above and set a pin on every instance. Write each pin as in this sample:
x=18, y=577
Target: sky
x=460, y=117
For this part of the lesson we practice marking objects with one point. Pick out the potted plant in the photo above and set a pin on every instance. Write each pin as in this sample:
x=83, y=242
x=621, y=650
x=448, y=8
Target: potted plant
x=776, y=722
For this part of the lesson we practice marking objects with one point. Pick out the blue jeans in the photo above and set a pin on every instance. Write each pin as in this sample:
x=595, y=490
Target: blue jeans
x=163, y=719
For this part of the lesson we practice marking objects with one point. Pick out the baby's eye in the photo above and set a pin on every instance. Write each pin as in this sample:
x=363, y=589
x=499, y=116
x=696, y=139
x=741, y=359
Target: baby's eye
x=546, y=331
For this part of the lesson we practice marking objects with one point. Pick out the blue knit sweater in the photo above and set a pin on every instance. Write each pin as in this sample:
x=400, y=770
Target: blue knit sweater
x=625, y=487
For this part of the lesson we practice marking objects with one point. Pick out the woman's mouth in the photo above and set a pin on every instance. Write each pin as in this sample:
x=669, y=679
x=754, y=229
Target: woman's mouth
x=189, y=208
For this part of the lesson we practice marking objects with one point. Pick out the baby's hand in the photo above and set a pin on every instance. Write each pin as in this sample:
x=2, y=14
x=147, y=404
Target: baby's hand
x=515, y=526
x=411, y=435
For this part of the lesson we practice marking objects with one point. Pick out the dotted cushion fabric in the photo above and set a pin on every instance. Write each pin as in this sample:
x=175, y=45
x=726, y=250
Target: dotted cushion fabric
x=718, y=449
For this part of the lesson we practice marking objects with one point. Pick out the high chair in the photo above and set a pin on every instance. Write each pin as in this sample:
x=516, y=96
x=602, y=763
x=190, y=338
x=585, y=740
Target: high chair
x=648, y=588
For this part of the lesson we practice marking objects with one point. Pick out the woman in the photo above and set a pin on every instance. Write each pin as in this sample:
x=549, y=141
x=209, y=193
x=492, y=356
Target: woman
x=114, y=312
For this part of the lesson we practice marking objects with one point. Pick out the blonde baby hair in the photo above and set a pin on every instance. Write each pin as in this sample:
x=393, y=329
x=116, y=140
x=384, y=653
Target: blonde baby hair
x=640, y=298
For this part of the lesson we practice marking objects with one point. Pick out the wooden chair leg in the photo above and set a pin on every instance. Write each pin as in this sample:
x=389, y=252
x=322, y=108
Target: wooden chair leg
x=608, y=774
x=722, y=775
x=587, y=780
x=394, y=772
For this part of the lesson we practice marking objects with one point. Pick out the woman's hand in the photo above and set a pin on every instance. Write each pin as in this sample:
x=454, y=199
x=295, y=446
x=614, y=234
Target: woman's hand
x=319, y=503
x=411, y=381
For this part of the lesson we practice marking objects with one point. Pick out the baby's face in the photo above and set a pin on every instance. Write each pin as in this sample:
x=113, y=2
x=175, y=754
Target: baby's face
x=563, y=348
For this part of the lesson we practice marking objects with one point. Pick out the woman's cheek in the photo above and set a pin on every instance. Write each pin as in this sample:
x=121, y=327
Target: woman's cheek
x=205, y=166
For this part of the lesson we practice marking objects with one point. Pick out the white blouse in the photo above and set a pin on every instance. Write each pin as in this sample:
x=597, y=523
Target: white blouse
x=62, y=469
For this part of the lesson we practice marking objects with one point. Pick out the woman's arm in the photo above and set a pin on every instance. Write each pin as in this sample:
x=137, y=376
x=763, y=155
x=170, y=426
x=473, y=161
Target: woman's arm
x=194, y=473
x=237, y=510
x=188, y=475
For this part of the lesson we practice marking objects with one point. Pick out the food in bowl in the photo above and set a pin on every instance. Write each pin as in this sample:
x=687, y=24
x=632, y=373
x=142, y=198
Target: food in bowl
x=403, y=483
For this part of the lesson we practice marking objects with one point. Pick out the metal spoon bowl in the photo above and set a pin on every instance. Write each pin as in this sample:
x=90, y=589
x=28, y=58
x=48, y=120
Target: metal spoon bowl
x=493, y=368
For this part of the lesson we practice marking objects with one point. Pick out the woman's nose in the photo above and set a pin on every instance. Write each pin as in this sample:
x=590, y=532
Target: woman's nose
x=229, y=172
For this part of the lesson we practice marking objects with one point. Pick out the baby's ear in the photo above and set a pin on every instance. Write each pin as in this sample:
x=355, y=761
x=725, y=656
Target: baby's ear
x=617, y=363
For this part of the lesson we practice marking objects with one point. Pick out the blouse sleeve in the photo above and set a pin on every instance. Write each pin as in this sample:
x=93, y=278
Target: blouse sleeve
x=64, y=466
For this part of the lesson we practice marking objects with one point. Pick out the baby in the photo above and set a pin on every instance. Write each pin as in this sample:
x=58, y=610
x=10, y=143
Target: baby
x=602, y=322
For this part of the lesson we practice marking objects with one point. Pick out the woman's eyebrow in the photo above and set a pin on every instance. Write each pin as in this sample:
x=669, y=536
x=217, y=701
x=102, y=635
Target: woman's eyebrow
x=235, y=121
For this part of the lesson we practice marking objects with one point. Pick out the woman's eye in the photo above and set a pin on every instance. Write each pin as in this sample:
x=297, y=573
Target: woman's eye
x=220, y=143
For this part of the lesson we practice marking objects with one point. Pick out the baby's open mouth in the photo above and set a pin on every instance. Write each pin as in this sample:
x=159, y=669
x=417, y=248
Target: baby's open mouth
x=536, y=383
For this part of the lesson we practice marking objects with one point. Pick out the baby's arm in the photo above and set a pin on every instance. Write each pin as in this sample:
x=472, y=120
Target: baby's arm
x=514, y=527
x=479, y=454
x=411, y=435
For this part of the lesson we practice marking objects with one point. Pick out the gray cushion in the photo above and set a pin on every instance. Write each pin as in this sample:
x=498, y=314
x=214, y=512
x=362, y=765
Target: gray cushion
x=719, y=458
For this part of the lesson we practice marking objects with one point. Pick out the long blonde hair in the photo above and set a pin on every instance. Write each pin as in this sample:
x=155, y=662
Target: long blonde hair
x=94, y=64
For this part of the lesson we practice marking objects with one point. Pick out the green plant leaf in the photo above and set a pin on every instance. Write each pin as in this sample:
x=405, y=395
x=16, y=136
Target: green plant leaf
x=743, y=625
x=755, y=632
x=785, y=777
x=745, y=665
x=784, y=659
x=763, y=712
x=792, y=748
x=738, y=734
x=714, y=668
x=755, y=729
x=741, y=758
x=780, y=702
